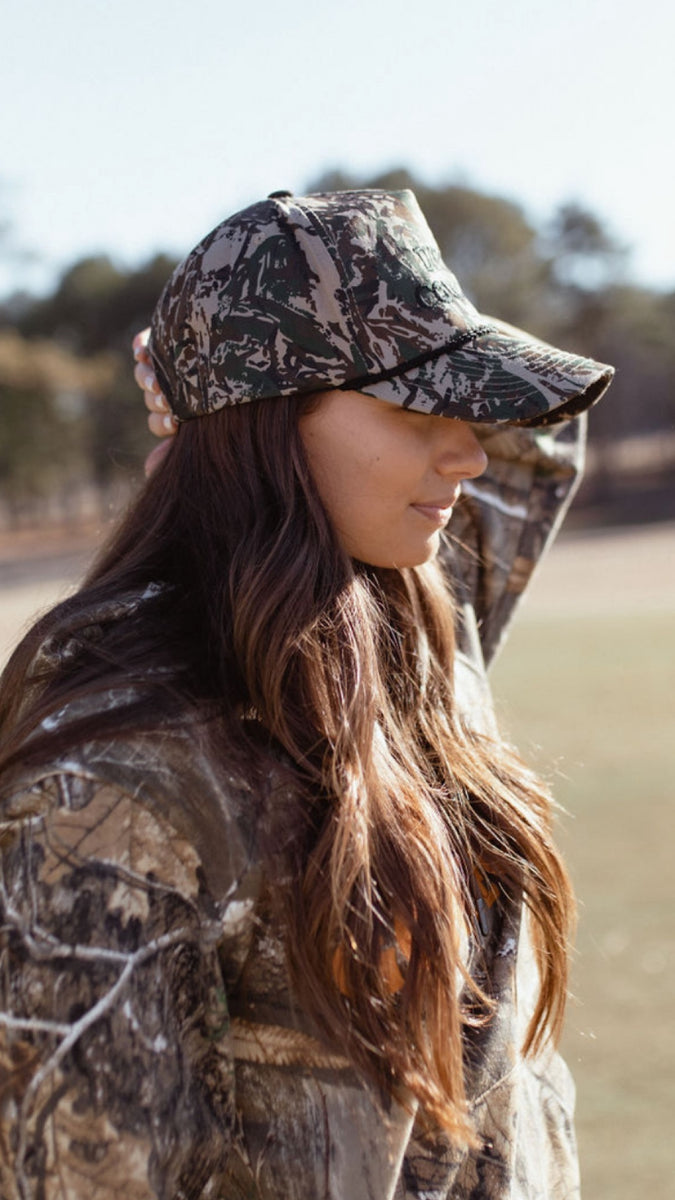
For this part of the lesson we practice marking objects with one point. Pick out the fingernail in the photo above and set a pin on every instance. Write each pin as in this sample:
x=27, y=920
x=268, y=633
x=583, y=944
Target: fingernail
x=168, y=422
x=150, y=383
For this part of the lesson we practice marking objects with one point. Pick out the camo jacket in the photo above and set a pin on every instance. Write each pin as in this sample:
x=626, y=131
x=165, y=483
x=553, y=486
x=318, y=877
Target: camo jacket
x=150, y=1043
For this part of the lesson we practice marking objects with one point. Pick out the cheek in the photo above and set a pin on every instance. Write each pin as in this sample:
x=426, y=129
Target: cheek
x=360, y=502
x=347, y=472
x=352, y=499
x=364, y=482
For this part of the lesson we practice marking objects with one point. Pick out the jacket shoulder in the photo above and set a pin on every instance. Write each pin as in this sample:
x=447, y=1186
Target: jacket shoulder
x=163, y=789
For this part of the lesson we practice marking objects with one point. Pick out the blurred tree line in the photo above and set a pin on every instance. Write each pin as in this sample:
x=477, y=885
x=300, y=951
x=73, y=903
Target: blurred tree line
x=70, y=413
x=71, y=426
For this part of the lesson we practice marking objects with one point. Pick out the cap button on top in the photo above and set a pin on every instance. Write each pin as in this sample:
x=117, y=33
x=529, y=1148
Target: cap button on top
x=426, y=296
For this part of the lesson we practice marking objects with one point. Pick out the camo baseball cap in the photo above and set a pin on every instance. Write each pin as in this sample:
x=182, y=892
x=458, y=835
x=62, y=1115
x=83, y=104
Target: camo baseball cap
x=349, y=290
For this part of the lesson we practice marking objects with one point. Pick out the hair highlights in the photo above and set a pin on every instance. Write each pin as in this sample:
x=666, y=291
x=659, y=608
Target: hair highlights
x=395, y=802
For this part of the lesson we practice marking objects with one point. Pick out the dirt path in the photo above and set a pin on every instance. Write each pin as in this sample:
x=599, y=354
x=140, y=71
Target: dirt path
x=620, y=571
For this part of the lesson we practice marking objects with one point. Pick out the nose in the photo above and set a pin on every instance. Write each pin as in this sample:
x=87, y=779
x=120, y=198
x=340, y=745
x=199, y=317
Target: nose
x=459, y=451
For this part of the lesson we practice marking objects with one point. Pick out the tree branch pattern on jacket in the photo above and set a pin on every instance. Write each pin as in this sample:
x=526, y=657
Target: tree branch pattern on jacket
x=112, y=989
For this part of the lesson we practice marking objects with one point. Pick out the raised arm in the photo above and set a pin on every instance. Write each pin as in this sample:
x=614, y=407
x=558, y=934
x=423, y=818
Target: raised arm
x=509, y=516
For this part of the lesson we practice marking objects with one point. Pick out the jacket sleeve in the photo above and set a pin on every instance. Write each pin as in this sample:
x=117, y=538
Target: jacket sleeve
x=116, y=1070
x=507, y=518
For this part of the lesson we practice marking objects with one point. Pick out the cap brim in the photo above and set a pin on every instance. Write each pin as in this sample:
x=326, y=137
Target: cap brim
x=501, y=375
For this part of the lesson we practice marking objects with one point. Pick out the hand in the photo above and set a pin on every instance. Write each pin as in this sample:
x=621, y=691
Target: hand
x=161, y=422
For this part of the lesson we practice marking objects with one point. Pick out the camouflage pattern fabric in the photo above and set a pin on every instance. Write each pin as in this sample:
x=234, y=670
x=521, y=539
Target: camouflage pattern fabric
x=348, y=289
x=150, y=1045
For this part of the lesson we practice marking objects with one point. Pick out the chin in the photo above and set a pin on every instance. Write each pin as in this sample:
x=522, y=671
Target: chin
x=416, y=557
x=429, y=552
x=414, y=554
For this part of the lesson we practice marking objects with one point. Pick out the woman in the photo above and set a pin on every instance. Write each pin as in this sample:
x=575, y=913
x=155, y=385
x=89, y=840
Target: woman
x=283, y=916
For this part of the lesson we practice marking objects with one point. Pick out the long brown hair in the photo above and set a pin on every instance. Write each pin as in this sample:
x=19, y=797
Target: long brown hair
x=348, y=670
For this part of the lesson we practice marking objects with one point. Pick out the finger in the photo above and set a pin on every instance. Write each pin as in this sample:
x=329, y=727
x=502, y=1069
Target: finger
x=145, y=378
x=156, y=456
x=162, y=425
x=156, y=402
x=139, y=345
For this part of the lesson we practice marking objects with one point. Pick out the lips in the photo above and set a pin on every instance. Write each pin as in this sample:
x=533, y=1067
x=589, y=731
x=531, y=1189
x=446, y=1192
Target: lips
x=438, y=510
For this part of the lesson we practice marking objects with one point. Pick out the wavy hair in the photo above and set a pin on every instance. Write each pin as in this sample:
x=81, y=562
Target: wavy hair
x=348, y=671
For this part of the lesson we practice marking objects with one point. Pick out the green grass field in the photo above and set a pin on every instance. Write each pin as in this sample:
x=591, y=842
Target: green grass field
x=590, y=699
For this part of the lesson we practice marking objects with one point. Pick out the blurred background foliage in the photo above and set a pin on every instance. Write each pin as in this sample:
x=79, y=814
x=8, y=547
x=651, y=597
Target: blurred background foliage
x=71, y=427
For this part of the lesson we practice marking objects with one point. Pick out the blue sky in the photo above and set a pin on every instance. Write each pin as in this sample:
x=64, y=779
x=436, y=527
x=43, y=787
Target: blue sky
x=132, y=127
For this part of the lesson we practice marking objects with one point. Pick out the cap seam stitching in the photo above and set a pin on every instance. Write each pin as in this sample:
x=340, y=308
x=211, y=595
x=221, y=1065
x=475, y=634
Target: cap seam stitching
x=420, y=359
x=328, y=237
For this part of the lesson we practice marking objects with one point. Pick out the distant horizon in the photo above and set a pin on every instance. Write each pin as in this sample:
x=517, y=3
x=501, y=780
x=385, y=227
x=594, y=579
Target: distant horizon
x=136, y=128
x=45, y=276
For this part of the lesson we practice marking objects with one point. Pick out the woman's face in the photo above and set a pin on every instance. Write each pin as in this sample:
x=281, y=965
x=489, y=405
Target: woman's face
x=388, y=477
